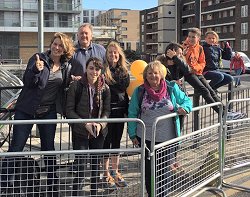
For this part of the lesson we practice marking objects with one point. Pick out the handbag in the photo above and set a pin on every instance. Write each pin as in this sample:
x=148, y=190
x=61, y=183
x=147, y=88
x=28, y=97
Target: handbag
x=42, y=111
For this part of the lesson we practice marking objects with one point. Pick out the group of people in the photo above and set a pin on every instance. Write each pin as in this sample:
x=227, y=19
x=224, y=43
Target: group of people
x=85, y=81
x=79, y=81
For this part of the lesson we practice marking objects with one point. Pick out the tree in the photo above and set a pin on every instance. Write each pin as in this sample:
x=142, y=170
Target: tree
x=132, y=55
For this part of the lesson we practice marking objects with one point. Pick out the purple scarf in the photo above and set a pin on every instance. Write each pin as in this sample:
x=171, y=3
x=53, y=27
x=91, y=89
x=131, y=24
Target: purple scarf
x=156, y=96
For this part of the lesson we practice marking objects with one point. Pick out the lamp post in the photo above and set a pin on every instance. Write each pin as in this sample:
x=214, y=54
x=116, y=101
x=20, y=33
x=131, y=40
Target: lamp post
x=40, y=26
x=198, y=13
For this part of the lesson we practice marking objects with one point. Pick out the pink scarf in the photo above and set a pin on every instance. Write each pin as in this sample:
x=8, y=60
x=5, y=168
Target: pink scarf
x=156, y=96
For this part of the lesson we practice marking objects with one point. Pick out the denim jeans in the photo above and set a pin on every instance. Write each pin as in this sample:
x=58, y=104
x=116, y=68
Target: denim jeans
x=237, y=73
x=199, y=83
x=21, y=133
x=81, y=143
x=218, y=78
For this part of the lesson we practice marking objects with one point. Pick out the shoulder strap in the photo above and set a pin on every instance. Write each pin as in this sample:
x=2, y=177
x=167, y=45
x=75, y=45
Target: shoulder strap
x=78, y=92
x=141, y=91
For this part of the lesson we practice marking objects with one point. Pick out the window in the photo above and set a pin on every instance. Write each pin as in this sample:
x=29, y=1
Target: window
x=244, y=28
x=128, y=45
x=124, y=36
x=124, y=28
x=217, y=29
x=244, y=45
x=210, y=3
x=244, y=11
x=85, y=13
x=124, y=13
x=137, y=46
x=124, y=21
x=209, y=17
x=224, y=13
x=231, y=13
x=231, y=28
x=224, y=29
x=142, y=18
x=219, y=14
x=142, y=28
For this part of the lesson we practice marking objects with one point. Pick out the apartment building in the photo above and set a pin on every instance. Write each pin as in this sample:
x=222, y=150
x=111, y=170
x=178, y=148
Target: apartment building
x=127, y=23
x=158, y=28
x=19, y=24
x=91, y=16
x=229, y=18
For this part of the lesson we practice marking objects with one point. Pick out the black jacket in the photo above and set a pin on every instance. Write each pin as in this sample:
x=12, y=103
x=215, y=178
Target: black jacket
x=35, y=82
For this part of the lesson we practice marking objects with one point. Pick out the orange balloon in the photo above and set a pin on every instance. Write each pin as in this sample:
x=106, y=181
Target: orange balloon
x=164, y=70
x=137, y=68
x=132, y=85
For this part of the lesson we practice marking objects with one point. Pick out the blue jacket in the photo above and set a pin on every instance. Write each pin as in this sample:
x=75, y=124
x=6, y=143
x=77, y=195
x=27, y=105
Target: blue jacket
x=214, y=55
x=35, y=82
x=178, y=98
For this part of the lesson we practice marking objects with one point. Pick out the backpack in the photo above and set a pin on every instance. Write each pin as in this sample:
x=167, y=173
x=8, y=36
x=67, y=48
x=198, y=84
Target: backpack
x=26, y=177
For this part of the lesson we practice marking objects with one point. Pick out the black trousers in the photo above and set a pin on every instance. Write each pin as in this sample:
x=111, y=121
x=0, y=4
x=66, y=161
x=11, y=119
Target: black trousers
x=199, y=83
x=81, y=143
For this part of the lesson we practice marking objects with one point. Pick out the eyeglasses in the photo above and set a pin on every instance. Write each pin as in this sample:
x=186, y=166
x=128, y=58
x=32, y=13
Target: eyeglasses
x=94, y=68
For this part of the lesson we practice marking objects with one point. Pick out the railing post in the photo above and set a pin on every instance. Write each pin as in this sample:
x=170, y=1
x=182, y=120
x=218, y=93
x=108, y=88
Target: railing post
x=196, y=101
x=230, y=94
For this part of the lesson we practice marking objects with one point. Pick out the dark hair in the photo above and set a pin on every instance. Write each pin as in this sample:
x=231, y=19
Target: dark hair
x=195, y=30
x=96, y=61
x=173, y=46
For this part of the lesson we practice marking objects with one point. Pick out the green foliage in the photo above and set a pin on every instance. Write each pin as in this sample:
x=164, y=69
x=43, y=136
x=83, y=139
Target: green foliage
x=132, y=55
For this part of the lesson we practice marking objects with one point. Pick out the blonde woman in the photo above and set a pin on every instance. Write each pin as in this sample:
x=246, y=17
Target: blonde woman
x=117, y=77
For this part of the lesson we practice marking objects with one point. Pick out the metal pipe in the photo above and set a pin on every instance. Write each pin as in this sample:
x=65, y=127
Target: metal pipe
x=40, y=26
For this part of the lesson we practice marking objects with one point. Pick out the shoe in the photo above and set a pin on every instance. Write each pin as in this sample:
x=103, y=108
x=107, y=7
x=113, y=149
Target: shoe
x=119, y=180
x=236, y=86
x=109, y=182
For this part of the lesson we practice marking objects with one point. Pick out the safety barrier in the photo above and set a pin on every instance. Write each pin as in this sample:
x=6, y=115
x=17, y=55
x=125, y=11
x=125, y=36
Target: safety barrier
x=51, y=173
x=236, y=143
x=179, y=168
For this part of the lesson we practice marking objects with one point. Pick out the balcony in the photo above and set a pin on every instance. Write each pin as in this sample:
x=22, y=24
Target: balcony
x=9, y=23
x=215, y=7
x=219, y=21
x=9, y=6
x=187, y=12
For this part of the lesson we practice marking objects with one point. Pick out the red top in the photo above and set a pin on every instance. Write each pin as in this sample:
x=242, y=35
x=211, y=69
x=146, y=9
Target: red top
x=237, y=63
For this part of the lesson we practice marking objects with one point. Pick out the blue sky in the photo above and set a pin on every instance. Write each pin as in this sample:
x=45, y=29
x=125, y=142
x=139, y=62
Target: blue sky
x=125, y=4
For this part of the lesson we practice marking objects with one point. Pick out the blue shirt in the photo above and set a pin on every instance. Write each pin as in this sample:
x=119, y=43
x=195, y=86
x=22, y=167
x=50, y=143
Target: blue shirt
x=81, y=56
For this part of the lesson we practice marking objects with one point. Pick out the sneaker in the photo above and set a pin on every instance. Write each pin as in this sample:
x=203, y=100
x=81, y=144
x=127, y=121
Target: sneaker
x=109, y=182
x=119, y=180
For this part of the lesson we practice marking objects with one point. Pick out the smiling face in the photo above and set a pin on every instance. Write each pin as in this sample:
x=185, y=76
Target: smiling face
x=211, y=39
x=93, y=72
x=56, y=47
x=84, y=36
x=113, y=55
x=154, y=76
x=193, y=38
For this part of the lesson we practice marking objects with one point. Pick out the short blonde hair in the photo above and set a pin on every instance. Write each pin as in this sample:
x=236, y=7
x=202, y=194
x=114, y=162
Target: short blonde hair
x=152, y=65
x=213, y=33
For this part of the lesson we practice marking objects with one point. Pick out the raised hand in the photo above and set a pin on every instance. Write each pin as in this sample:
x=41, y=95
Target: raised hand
x=171, y=53
x=39, y=63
